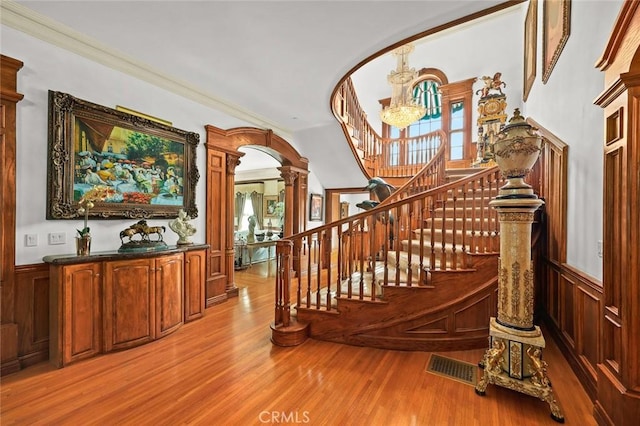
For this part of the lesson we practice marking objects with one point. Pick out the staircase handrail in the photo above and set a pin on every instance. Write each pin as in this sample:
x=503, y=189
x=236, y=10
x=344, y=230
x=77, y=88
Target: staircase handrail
x=368, y=146
x=334, y=252
x=433, y=173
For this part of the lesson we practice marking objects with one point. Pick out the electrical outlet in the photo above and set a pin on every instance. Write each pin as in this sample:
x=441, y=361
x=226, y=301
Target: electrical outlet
x=599, y=248
x=57, y=238
x=31, y=240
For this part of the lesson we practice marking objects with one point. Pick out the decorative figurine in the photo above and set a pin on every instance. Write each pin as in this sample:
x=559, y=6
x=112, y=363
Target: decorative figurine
x=251, y=235
x=494, y=359
x=182, y=227
x=538, y=367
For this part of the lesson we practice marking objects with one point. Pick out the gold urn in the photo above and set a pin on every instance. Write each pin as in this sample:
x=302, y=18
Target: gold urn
x=516, y=150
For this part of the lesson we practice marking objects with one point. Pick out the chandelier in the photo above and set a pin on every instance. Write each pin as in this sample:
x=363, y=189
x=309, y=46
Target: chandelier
x=403, y=109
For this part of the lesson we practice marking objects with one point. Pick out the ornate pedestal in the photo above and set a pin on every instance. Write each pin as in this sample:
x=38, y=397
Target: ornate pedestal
x=514, y=358
x=515, y=362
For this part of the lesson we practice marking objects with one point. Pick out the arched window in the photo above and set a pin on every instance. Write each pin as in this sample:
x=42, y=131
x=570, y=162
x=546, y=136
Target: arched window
x=448, y=108
x=427, y=93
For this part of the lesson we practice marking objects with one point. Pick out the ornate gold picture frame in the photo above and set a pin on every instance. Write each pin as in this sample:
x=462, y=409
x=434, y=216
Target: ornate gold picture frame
x=269, y=205
x=530, y=48
x=147, y=168
x=556, y=21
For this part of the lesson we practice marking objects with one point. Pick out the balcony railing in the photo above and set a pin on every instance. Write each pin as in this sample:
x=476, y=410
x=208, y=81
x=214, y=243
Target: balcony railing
x=380, y=156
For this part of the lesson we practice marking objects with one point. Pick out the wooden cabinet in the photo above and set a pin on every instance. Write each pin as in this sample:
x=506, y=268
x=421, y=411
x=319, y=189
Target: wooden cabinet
x=194, y=277
x=129, y=311
x=169, y=294
x=77, y=291
x=138, y=299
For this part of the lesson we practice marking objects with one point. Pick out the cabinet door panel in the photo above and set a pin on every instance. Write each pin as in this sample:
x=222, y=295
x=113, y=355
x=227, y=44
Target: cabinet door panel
x=81, y=312
x=169, y=298
x=129, y=310
x=194, y=278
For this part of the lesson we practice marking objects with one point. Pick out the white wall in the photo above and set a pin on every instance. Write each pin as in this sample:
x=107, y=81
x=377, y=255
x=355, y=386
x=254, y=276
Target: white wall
x=484, y=47
x=50, y=68
x=564, y=105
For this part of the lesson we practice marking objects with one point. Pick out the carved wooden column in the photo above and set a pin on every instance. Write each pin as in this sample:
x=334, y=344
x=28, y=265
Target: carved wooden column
x=300, y=202
x=232, y=161
x=9, y=97
x=289, y=175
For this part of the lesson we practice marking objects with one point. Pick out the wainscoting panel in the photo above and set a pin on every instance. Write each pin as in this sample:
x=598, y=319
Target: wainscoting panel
x=588, y=327
x=574, y=304
x=567, y=291
x=32, y=313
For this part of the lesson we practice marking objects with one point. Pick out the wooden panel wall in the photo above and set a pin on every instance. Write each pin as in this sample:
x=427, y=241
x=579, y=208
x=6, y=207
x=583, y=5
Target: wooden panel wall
x=571, y=300
x=618, y=368
x=574, y=303
x=32, y=313
x=215, y=289
x=8, y=99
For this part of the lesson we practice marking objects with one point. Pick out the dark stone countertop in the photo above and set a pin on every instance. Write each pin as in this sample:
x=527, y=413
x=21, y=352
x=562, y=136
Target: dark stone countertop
x=100, y=256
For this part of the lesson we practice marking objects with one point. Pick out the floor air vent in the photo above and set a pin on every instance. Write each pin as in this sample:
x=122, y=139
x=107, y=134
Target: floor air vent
x=453, y=369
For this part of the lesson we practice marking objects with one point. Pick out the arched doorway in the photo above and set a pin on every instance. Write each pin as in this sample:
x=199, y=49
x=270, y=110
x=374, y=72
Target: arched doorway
x=223, y=156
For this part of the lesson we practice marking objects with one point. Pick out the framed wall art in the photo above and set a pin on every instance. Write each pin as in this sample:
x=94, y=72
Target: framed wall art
x=315, y=207
x=146, y=169
x=269, y=205
x=556, y=21
x=530, y=47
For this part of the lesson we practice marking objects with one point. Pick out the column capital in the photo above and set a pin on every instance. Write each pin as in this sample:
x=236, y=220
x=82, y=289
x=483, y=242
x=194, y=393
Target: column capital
x=232, y=162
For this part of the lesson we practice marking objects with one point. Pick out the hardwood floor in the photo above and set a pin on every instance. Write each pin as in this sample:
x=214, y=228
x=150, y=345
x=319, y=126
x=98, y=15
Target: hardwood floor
x=223, y=370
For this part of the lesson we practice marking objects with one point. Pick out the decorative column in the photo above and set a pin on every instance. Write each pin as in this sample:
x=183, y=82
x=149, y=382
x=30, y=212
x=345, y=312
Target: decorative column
x=289, y=175
x=514, y=358
x=232, y=162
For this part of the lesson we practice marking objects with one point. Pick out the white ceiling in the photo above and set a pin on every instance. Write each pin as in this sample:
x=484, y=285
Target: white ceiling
x=271, y=63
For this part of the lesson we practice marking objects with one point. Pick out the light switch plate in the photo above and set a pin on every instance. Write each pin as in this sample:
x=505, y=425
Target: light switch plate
x=57, y=238
x=31, y=240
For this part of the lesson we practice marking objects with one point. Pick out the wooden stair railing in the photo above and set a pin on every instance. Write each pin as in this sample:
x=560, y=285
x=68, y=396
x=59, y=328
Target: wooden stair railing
x=432, y=175
x=377, y=156
x=396, y=244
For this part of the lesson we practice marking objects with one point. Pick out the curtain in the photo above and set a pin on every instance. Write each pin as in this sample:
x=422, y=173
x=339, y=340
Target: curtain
x=427, y=93
x=241, y=198
x=256, y=203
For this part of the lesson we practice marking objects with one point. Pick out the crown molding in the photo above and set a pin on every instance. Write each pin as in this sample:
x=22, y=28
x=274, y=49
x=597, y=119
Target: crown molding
x=34, y=24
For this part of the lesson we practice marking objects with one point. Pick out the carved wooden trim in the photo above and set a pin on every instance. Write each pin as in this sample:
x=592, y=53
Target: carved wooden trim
x=222, y=149
x=617, y=34
x=9, y=332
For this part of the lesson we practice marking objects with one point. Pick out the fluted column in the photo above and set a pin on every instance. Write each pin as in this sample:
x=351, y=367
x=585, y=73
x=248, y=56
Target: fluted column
x=232, y=162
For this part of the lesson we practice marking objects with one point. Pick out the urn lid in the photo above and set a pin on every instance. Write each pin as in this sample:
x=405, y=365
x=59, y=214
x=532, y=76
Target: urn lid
x=518, y=123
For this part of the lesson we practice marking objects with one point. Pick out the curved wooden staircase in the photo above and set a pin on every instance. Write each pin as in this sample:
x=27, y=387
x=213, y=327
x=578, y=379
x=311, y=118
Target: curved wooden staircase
x=417, y=272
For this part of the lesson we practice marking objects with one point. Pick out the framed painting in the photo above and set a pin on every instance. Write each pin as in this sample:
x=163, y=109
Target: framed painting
x=556, y=21
x=530, y=47
x=315, y=207
x=269, y=205
x=344, y=209
x=146, y=169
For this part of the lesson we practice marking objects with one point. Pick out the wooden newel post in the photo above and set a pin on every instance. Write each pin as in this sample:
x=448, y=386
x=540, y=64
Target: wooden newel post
x=283, y=282
x=285, y=331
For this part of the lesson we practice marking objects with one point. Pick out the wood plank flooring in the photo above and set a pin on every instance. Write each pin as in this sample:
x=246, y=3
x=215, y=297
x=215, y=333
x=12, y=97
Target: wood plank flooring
x=223, y=370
